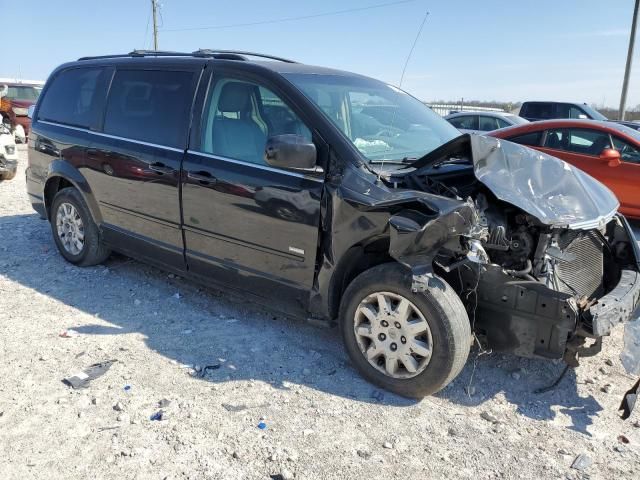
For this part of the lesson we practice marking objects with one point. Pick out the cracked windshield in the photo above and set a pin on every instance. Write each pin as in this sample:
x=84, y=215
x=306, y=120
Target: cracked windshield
x=383, y=122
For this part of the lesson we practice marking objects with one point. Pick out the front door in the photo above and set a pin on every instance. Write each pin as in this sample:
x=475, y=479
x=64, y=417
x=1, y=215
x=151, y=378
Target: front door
x=246, y=223
x=134, y=163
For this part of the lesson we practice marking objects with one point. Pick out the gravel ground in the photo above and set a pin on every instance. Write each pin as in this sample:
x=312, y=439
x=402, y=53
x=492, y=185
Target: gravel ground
x=322, y=421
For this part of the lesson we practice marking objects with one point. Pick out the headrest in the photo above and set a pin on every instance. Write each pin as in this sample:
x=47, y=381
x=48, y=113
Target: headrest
x=235, y=97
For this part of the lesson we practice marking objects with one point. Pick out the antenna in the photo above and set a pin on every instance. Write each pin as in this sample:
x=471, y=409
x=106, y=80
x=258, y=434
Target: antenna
x=404, y=69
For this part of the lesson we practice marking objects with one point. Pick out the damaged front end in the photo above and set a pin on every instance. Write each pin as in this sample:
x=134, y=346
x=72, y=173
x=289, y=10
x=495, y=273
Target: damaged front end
x=544, y=263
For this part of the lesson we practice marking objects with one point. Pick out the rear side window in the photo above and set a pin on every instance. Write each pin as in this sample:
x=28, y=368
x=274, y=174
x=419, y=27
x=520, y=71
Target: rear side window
x=531, y=139
x=489, y=123
x=150, y=105
x=466, y=122
x=70, y=97
x=537, y=110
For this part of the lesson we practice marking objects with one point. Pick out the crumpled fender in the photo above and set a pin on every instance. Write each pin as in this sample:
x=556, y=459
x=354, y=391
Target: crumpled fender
x=416, y=236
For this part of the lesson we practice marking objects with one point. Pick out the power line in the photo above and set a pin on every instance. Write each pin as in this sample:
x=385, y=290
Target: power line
x=291, y=19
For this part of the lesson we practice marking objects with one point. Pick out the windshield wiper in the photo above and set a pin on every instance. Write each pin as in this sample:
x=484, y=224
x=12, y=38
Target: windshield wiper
x=452, y=161
x=403, y=161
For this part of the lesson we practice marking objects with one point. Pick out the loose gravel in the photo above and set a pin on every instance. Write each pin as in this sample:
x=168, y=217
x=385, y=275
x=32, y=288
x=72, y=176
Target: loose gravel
x=207, y=386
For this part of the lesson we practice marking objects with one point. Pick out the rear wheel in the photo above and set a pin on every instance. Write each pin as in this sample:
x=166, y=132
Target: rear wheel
x=74, y=231
x=413, y=344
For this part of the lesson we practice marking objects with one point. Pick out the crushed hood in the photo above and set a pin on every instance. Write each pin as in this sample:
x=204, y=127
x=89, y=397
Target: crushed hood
x=553, y=191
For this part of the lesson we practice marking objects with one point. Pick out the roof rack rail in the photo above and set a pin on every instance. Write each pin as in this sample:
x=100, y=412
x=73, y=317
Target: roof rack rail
x=208, y=52
x=203, y=52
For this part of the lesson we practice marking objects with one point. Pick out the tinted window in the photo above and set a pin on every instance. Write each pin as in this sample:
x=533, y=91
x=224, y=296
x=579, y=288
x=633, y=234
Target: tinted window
x=466, y=122
x=489, y=123
x=628, y=153
x=578, y=140
x=502, y=123
x=150, y=105
x=70, y=97
x=537, y=110
x=241, y=116
x=531, y=139
x=22, y=92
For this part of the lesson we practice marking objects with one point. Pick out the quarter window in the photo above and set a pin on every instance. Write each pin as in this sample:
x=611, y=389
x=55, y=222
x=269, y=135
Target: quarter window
x=150, y=105
x=240, y=117
x=70, y=97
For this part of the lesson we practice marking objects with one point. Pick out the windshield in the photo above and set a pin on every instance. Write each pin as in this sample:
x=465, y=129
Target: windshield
x=383, y=122
x=516, y=120
x=631, y=132
x=25, y=92
x=593, y=113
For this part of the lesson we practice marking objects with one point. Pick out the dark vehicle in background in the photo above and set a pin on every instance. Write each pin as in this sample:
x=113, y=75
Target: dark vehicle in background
x=607, y=151
x=534, y=111
x=16, y=102
x=333, y=197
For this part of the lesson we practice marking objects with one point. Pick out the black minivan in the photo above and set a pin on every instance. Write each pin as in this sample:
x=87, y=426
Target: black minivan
x=334, y=197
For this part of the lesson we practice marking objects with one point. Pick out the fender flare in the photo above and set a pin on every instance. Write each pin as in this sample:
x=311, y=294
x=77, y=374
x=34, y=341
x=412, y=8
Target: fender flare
x=59, y=169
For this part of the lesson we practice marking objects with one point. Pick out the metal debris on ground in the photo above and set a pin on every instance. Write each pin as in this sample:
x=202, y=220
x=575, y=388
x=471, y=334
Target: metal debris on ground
x=82, y=379
x=164, y=403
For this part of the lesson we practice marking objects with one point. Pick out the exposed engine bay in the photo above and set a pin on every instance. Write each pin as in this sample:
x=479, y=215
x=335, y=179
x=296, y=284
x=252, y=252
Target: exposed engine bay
x=533, y=285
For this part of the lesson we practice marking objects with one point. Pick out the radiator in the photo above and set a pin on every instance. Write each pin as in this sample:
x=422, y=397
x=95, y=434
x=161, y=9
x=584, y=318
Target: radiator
x=584, y=274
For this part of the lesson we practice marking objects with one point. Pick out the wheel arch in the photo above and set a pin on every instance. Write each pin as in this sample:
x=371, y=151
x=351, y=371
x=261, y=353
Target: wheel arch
x=357, y=259
x=62, y=175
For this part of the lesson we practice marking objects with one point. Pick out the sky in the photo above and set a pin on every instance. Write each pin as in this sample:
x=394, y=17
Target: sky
x=506, y=50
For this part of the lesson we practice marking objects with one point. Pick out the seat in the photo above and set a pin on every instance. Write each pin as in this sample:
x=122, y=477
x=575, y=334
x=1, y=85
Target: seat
x=599, y=145
x=239, y=138
x=553, y=141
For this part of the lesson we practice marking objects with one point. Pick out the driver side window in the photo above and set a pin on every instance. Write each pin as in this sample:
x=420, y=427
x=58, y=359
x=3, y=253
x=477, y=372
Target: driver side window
x=239, y=118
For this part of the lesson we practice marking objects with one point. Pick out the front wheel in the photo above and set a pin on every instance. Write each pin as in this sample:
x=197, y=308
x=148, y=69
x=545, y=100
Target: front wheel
x=413, y=344
x=74, y=231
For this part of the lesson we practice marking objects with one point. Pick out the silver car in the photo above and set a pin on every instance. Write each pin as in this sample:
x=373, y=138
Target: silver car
x=481, y=122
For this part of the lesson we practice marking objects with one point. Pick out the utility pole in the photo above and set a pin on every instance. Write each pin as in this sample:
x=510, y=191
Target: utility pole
x=154, y=6
x=627, y=71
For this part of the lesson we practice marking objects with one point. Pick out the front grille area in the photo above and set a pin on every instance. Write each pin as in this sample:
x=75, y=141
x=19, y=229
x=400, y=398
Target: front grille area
x=584, y=274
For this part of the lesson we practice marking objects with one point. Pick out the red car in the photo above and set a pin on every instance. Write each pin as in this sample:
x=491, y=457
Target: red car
x=16, y=103
x=607, y=151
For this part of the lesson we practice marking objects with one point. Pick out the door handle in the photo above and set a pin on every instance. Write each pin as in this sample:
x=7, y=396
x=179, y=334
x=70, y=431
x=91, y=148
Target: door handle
x=160, y=168
x=202, y=177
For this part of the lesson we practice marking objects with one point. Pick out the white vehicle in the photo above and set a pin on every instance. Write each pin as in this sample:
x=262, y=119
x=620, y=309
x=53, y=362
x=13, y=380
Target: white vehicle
x=482, y=122
x=8, y=153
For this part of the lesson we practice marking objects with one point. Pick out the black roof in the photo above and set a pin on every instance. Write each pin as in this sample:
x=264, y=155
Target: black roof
x=274, y=63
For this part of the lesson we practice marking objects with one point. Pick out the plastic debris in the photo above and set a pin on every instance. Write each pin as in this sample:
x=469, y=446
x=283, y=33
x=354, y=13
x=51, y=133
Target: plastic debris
x=262, y=426
x=69, y=333
x=234, y=408
x=127, y=388
x=158, y=416
x=82, y=379
x=582, y=462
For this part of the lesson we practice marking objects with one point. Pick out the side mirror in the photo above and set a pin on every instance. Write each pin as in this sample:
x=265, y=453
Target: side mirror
x=611, y=156
x=291, y=151
x=30, y=111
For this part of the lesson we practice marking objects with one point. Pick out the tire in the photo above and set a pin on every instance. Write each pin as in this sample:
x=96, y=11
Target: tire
x=8, y=176
x=92, y=251
x=449, y=331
